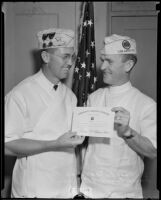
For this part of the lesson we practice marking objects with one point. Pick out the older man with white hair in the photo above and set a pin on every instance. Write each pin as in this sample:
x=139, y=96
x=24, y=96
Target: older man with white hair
x=113, y=166
x=38, y=116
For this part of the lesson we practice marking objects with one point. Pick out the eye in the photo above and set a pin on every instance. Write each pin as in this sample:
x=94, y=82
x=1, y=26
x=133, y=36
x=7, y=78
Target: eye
x=66, y=57
x=109, y=61
x=102, y=60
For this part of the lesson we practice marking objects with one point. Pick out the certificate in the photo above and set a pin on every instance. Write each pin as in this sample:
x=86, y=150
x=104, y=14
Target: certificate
x=93, y=121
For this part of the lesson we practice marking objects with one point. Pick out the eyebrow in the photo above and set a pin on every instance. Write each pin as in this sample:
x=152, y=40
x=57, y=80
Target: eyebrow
x=108, y=59
x=68, y=54
x=103, y=57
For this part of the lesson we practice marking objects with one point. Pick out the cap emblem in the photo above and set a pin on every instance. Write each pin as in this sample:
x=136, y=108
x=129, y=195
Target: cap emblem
x=126, y=44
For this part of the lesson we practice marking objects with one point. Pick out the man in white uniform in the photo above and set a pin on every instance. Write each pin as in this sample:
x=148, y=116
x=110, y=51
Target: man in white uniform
x=38, y=114
x=113, y=167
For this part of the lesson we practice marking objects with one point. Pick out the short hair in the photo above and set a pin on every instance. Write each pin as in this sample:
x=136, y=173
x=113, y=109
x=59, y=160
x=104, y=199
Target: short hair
x=48, y=50
x=126, y=57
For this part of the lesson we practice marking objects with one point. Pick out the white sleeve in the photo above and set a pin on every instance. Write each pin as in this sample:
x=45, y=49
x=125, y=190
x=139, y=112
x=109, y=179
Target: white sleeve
x=74, y=101
x=148, y=123
x=89, y=101
x=14, y=117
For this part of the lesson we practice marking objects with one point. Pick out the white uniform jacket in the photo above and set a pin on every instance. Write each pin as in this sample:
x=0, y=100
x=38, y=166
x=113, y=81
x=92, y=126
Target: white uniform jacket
x=34, y=110
x=111, y=168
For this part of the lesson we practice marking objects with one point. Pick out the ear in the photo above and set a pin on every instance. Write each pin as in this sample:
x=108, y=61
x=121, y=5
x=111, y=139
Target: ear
x=129, y=65
x=45, y=56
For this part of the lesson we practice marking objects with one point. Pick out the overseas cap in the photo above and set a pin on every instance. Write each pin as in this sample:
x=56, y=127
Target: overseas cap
x=54, y=38
x=117, y=44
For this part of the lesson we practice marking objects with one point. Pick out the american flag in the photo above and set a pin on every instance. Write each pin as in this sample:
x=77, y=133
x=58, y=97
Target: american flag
x=85, y=77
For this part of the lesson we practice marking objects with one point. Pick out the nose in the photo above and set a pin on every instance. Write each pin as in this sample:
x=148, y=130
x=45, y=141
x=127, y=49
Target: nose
x=70, y=62
x=104, y=66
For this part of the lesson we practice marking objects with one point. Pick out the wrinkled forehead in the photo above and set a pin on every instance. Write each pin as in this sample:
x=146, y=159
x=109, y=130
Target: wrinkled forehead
x=110, y=56
x=66, y=50
x=62, y=50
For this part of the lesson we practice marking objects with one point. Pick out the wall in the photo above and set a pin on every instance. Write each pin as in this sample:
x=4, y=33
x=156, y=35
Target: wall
x=9, y=47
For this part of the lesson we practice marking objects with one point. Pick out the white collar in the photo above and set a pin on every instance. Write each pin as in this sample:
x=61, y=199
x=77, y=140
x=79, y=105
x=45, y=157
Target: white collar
x=44, y=82
x=120, y=89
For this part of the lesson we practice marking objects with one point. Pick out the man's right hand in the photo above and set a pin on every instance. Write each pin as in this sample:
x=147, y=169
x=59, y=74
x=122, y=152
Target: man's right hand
x=26, y=147
x=69, y=139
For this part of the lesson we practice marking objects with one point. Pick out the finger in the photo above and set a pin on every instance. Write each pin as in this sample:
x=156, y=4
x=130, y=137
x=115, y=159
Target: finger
x=118, y=121
x=74, y=137
x=81, y=138
x=77, y=137
x=71, y=134
x=79, y=141
x=122, y=121
x=122, y=115
x=119, y=109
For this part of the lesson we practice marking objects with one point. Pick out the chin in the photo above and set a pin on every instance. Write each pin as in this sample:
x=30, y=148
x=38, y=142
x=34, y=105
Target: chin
x=64, y=77
x=107, y=81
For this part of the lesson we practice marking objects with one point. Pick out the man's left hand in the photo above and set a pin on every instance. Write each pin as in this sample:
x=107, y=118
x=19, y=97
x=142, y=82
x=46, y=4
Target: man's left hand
x=121, y=121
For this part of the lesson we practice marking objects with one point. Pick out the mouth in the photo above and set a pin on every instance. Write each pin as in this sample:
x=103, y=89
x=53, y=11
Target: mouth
x=105, y=73
x=66, y=70
x=69, y=66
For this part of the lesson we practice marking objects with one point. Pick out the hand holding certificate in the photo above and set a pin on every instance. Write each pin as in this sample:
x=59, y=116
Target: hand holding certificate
x=93, y=121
